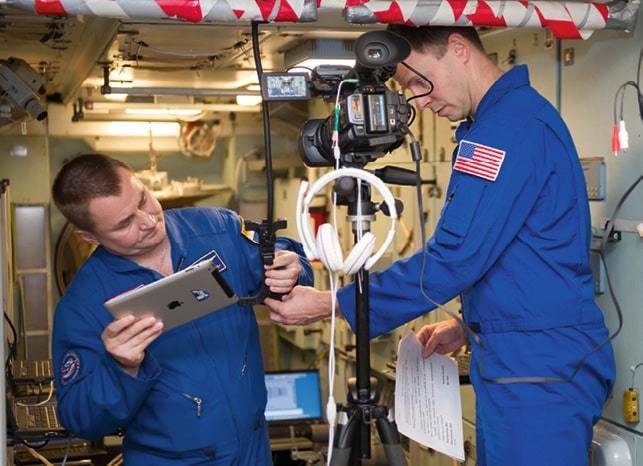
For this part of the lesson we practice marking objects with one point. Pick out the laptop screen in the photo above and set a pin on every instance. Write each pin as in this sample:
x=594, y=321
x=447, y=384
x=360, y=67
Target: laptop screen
x=293, y=396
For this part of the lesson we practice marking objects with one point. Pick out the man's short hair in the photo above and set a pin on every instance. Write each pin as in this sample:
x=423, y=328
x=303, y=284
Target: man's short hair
x=435, y=38
x=82, y=179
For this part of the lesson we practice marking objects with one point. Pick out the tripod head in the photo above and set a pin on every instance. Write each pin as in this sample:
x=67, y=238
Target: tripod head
x=346, y=190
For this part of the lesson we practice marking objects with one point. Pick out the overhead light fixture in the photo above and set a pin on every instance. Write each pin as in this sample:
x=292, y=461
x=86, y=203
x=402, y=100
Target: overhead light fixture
x=250, y=100
x=314, y=52
x=122, y=75
x=164, y=111
x=116, y=97
x=132, y=128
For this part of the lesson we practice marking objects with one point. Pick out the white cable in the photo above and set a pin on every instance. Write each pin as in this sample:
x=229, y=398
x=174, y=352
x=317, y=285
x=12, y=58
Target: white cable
x=311, y=253
x=359, y=225
x=331, y=406
x=335, y=134
x=118, y=459
x=43, y=402
x=339, y=92
x=38, y=456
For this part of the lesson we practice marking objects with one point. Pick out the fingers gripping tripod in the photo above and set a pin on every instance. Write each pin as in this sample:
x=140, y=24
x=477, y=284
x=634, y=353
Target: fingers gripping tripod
x=352, y=442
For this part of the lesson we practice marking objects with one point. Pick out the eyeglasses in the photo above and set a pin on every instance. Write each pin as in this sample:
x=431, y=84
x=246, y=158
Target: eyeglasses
x=425, y=86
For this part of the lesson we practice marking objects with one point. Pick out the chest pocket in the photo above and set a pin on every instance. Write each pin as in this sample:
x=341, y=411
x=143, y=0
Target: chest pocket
x=460, y=208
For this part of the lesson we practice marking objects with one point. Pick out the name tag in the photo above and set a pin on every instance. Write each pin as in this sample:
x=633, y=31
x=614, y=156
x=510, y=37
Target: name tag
x=215, y=258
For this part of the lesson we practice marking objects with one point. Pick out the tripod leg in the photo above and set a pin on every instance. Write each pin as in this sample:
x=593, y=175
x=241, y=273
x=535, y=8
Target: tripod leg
x=391, y=441
x=347, y=422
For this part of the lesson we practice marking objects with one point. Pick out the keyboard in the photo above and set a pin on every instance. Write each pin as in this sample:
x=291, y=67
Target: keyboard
x=78, y=449
x=32, y=371
x=37, y=418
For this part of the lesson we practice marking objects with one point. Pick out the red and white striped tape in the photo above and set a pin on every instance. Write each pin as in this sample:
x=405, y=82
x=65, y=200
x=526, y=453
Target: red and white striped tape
x=567, y=20
x=194, y=11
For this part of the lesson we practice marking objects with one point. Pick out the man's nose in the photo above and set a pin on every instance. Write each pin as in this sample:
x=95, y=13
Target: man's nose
x=424, y=102
x=148, y=220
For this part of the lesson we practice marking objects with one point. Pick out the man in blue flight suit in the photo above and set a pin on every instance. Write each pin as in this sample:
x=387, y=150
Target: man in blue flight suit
x=513, y=240
x=195, y=394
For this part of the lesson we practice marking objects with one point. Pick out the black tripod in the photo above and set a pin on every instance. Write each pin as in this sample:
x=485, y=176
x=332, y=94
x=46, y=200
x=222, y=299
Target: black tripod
x=352, y=442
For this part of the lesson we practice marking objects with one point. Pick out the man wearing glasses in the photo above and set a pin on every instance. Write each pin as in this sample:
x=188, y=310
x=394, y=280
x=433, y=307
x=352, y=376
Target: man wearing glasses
x=513, y=240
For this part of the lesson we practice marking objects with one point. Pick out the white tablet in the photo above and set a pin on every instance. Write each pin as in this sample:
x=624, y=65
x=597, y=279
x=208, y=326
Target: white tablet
x=178, y=298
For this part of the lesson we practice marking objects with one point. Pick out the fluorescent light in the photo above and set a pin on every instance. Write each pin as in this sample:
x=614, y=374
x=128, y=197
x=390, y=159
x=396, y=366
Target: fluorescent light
x=314, y=62
x=116, y=97
x=164, y=111
x=248, y=100
x=315, y=52
x=124, y=74
x=140, y=128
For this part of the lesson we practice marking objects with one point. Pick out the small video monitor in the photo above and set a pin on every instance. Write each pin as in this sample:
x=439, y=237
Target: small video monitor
x=293, y=396
x=285, y=86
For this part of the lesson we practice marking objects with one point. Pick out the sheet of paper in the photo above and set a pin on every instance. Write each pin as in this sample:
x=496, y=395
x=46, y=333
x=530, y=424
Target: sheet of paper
x=427, y=398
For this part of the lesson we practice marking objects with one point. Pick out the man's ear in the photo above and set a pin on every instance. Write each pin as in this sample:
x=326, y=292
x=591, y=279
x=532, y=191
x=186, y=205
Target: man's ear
x=86, y=236
x=460, y=47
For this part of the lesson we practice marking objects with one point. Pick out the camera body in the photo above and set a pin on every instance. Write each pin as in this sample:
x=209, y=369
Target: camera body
x=370, y=119
x=372, y=122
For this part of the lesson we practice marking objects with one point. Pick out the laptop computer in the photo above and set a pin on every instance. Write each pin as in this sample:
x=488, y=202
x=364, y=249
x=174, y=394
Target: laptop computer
x=178, y=298
x=294, y=403
x=293, y=396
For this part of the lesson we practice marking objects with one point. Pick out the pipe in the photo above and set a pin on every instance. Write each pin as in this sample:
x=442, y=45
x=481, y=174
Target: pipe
x=179, y=91
x=567, y=19
x=193, y=11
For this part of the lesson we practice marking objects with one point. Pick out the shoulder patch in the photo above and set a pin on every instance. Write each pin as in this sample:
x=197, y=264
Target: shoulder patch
x=479, y=160
x=248, y=234
x=70, y=367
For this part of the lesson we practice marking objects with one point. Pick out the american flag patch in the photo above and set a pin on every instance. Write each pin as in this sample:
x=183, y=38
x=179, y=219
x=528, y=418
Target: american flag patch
x=479, y=160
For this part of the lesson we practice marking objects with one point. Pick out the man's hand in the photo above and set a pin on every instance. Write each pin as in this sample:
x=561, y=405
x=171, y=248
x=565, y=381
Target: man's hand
x=302, y=306
x=126, y=339
x=443, y=337
x=284, y=272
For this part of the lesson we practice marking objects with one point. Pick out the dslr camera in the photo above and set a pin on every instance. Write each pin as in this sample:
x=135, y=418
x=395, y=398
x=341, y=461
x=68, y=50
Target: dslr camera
x=370, y=119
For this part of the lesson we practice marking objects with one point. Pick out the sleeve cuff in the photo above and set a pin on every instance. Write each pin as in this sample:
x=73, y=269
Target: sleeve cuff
x=148, y=372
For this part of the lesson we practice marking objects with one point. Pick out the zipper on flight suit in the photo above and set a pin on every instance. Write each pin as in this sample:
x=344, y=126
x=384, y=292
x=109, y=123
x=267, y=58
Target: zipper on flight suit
x=197, y=401
x=244, y=366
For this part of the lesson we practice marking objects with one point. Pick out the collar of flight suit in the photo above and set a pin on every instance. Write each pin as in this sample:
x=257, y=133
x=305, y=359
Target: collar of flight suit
x=516, y=77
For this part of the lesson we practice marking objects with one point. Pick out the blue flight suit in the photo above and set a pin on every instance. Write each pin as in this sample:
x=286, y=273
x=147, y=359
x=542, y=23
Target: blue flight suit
x=517, y=251
x=200, y=395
